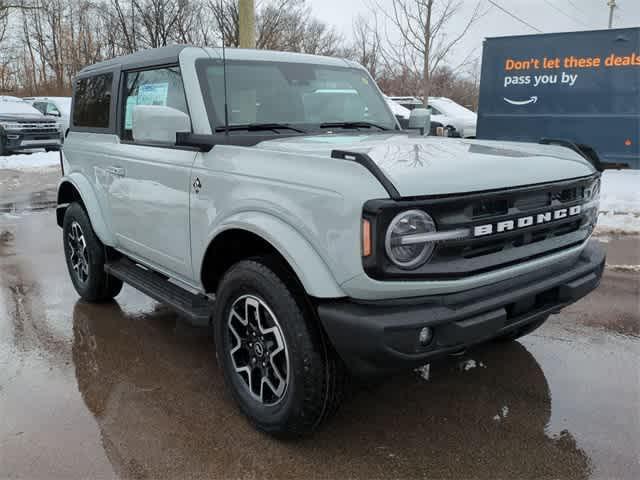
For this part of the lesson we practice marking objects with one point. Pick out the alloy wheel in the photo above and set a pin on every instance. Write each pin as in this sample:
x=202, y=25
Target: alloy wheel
x=258, y=349
x=78, y=253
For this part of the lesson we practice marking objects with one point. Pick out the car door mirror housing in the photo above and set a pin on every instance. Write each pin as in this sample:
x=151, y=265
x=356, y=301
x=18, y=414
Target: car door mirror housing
x=158, y=124
x=420, y=119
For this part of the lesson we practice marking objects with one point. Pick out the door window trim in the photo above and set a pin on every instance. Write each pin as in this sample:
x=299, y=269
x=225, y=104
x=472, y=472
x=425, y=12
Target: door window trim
x=121, y=104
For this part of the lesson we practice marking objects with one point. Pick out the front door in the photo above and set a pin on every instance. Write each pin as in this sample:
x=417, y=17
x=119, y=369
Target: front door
x=149, y=194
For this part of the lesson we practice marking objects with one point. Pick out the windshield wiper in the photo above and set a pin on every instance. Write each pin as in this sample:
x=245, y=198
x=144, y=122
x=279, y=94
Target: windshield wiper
x=351, y=125
x=256, y=127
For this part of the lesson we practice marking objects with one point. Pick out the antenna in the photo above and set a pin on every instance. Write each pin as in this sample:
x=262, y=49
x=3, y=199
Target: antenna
x=224, y=70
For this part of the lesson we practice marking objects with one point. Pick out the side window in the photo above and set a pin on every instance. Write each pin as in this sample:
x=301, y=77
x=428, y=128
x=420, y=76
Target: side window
x=162, y=86
x=434, y=111
x=40, y=106
x=52, y=110
x=92, y=101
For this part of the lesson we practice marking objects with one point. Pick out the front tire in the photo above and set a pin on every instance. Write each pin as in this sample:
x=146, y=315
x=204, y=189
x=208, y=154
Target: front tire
x=285, y=378
x=85, y=255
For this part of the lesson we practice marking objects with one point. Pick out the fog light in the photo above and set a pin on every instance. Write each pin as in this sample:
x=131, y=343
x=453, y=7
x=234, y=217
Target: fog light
x=426, y=334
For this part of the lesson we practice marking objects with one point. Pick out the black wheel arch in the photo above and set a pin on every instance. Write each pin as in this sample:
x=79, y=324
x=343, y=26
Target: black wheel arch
x=67, y=194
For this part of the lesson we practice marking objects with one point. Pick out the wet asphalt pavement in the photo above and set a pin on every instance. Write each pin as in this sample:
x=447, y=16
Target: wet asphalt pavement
x=126, y=389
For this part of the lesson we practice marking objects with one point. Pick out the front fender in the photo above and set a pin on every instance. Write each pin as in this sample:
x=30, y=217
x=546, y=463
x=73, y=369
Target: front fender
x=91, y=204
x=313, y=272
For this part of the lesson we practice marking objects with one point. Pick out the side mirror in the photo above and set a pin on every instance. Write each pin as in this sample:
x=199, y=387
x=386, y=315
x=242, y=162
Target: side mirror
x=420, y=119
x=158, y=124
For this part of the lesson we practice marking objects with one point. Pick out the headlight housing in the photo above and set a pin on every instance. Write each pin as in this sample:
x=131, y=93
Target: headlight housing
x=593, y=191
x=403, y=244
x=10, y=126
x=592, y=205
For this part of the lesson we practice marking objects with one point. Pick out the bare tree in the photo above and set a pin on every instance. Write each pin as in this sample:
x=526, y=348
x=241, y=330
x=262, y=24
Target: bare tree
x=367, y=48
x=280, y=25
x=418, y=39
x=158, y=20
x=45, y=43
x=4, y=18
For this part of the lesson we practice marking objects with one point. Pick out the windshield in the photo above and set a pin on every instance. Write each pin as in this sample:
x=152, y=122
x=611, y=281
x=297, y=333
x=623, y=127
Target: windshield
x=299, y=94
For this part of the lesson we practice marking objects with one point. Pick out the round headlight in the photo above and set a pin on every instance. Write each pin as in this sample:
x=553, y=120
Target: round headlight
x=402, y=241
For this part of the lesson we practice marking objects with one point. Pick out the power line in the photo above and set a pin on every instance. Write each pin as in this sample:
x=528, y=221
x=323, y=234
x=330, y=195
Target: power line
x=573, y=4
x=578, y=9
x=492, y=2
x=565, y=13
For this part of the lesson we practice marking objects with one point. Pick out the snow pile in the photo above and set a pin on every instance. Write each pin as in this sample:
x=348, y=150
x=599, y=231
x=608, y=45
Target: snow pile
x=502, y=414
x=619, y=202
x=423, y=371
x=36, y=160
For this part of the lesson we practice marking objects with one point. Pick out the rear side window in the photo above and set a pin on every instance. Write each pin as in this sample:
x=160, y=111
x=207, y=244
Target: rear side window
x=92, y=101
x=161, y=86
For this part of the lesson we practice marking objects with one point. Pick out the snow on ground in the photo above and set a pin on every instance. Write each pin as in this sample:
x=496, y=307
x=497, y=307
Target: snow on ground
x=619, y=202
x=36, y=160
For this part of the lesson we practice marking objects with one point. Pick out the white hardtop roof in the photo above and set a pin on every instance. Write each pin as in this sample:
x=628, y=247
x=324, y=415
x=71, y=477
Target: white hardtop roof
x=170, y=54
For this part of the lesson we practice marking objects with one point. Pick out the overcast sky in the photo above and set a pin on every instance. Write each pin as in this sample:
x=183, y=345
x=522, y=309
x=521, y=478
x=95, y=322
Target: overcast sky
x=586, y=15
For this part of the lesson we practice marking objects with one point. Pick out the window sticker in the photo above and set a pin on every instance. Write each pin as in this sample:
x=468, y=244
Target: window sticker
x=153, y=94
x=148, y=94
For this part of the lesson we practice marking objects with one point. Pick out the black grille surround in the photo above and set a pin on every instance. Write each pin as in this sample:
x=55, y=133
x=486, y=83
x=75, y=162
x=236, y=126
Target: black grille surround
x=454, y=259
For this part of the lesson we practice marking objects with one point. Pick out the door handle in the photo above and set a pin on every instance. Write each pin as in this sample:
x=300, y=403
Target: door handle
x=117, y=171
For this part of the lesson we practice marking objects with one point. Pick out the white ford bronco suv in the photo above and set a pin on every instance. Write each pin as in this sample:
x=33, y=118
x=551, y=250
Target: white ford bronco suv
x=274, y=197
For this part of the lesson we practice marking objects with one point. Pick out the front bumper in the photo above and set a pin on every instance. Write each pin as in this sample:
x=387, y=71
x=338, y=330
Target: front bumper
x=20, y=141
x=380, y=337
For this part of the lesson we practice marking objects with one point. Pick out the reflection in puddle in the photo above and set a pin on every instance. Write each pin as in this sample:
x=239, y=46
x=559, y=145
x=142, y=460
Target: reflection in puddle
x=158, y=398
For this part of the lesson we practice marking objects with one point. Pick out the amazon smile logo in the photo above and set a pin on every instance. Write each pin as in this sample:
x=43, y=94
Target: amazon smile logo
x=532, y=99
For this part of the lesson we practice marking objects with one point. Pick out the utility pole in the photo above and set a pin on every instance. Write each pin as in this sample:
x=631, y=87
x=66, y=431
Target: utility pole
x=612, y=5
x=247, y=20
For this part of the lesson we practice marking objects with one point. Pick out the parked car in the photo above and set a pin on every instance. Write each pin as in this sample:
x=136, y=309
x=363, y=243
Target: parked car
x=401, y=112
x=59, y=107
x=315, y=248
x=22, y=127
x=444, y=111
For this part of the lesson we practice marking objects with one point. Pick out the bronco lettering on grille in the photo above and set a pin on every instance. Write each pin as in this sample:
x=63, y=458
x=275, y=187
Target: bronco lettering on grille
x=522, y=222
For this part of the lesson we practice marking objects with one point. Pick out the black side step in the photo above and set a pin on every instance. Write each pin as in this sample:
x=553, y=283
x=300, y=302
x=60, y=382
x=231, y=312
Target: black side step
x=195, y=308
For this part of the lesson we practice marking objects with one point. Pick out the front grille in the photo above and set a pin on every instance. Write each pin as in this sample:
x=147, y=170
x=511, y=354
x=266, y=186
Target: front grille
x=39, y=128
x=470, y=256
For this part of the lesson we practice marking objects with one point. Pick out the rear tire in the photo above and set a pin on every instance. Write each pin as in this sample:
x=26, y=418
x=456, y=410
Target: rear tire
x=85, y=255
x=280, y=348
